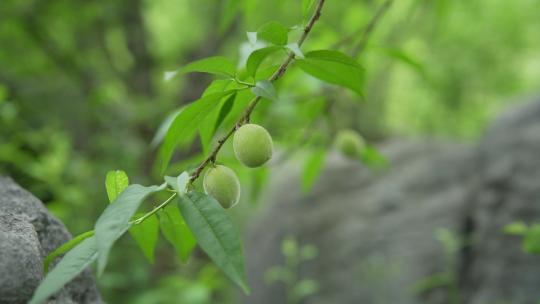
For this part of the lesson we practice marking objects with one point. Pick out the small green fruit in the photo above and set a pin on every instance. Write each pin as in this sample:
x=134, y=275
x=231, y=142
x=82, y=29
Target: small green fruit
x=350, y=143
x=222, y=184
x=252, y=145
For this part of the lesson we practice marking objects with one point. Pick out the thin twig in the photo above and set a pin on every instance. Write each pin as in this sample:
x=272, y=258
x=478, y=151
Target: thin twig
x=247, y=112
x=156, y=209
x=361, y=45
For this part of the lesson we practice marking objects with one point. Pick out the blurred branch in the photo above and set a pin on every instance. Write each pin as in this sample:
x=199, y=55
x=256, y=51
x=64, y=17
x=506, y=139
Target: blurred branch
x=364, y=32
x=361, y=45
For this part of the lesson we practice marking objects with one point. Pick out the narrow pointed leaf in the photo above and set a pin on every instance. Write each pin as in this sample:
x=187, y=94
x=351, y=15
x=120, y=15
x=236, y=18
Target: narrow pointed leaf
x=164, y=127
x=65, y=248
x=218, y=65
x=73, y=263
x=334, y=67
x=184, y=126
x=115, y=182
x=176, y=231
x=312, y=169
x=215, y=234
x=209, y=126
x=265, y=88
x=114, y=221
x=146, y=235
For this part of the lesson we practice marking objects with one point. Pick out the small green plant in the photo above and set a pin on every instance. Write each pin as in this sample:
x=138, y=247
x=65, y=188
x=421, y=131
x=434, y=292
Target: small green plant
x=297, y=288
x=448, y=278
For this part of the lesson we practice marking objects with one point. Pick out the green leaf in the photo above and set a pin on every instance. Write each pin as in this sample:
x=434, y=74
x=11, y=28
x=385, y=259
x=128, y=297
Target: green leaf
x=372, y=158
x=273, y=32
x=265, y=88
x=73, y=263
x=185, y=125
x=515, y=228
x=176, y=231
x=334, y=67
x=164, y=127
x=65, y=248
x=179, y=183
x=211, y=123
x=114, y=221
x=257, y=57
x=312, y=168
x=215, y=234
x=115, y=182
x=146, y=235
x=218, y=65
x=531, y=240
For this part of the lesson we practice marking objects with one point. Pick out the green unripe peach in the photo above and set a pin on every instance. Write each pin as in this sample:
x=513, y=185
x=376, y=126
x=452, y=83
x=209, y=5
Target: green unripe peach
x=350, y=143
x=252, y=145
x=222, y=184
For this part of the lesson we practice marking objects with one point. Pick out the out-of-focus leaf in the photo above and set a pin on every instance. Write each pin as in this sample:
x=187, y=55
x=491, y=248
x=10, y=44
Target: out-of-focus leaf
x=73, y=263
x=146, y=235
x=334, y=67
x=218, y=65
x=185, y=125
x=114, y=221
x=115, y=182
x=215, y=234
x=257, y=57
x=516, y=228
x=176, y=231
x=65, y=248
x=531, y=240
x=305, y=288
x=312, y=168
x=273, y=32
x=265, y=88
x=372, y=158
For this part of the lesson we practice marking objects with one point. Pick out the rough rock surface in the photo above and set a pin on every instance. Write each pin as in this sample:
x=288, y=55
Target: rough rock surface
x=428, y=230
x=28, y=233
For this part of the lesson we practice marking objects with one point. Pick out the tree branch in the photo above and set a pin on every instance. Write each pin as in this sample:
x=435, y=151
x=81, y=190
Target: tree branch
x=247, y=113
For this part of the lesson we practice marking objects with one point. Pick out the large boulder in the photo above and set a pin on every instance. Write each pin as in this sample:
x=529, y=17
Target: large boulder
x=28, y=233
x=427, y=230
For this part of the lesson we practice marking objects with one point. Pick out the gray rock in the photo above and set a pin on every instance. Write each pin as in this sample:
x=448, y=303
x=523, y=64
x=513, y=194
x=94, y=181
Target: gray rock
x=428, y=230
x=28, y=233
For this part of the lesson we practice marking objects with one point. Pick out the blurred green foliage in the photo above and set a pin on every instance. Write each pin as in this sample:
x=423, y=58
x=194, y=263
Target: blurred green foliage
x=82, y=92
